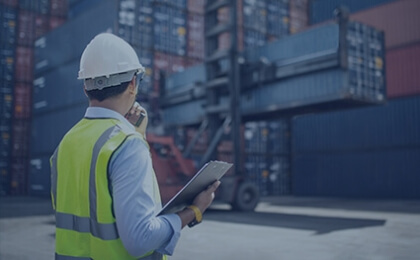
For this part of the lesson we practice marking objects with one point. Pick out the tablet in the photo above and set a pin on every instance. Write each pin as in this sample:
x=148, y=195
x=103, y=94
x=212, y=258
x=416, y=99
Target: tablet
x=209, y=173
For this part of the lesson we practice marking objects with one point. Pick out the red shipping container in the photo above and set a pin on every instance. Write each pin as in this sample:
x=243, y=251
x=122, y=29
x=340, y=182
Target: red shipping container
x=400, y=20
x=12, y=3
x=195, y=37
x=402, y=71
x=21, y=133
x=22, y=100
x=19, y=175
x=58, y=8
x=298, y=16
x=24, y=64
x=41, y=25
x=56, y=22
x=26, y=28
x=166, y=63
x=196, y=6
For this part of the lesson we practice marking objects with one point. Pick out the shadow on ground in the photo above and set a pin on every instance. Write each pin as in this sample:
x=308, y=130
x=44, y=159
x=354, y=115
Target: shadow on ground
x=11, y=207
x=320, y=225
x=372, y=205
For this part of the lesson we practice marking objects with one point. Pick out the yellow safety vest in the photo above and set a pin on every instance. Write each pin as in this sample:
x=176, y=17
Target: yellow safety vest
x=85, y=223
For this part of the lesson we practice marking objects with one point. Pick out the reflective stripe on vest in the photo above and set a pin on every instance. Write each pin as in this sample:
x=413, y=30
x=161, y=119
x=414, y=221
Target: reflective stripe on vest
x=154, y=256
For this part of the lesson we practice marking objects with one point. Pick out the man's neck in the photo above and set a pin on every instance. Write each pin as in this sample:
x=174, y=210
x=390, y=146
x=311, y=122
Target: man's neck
x=109, y=104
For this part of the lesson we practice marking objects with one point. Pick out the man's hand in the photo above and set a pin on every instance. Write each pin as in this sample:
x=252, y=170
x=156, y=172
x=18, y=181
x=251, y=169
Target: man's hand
x=206, y=197
x=202, y=201
x=133, y=116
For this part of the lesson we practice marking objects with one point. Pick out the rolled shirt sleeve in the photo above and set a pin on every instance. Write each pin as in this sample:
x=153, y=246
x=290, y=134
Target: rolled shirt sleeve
x=133, y=189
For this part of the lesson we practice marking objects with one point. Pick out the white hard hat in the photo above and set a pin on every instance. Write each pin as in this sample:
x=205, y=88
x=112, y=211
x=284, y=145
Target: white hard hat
x=108, y=61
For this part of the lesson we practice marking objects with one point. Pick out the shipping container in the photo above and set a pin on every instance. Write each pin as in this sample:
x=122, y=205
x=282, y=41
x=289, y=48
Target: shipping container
x=166, y=63
x=22, y=97
x=400, y=20
x=49, y=49
x=12, y=3
x=55, y=22
x=8, y=18
x=39, y=181
x=61, y=82
x=402, y=70
x=6, y=110
x=78, y=7
x=4, y=176
x=22, y=101
x=196, y=6
x=18, y=175
x=278, y=18
x=389, y=173
x=24, y=64
x=177, y=83
x=322, y=10
x=146, y=59
x=322, y=86
x=58, y=8
x=181, y=4
x=143, y=33
x=195, y=47
x=41, y=26
x=267, y=137
x=21, y=134
x=38, y=6
x=392, y=125
x=271, y=174
x=49, y=128
x=7, y=62
x=170, y=28
x=26, y=28
x=298, y=15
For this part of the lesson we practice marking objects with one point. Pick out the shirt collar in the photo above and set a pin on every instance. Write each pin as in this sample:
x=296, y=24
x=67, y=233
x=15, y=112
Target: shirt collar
x=100, y=112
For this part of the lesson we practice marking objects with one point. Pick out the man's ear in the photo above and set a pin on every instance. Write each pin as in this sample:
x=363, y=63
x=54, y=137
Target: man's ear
x=132, y=86
x=84, y=90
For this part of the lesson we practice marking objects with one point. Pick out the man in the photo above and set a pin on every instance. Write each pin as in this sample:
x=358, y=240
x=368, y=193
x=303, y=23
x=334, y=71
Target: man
x=104, y=189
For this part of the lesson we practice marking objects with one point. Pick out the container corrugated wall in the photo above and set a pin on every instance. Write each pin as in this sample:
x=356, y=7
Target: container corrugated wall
x=403, y=66
x=369, y=152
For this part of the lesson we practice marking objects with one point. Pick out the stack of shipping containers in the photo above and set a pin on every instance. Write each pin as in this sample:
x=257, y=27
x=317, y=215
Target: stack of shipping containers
x=266, y=162
x=58, y=97
x=367, y=152
x=22, y=23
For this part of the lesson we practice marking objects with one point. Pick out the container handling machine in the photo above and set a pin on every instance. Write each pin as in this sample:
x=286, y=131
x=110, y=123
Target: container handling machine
x=334, y=66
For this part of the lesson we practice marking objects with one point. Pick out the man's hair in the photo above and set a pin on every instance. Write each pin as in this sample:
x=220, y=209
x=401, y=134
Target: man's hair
x=108, y=92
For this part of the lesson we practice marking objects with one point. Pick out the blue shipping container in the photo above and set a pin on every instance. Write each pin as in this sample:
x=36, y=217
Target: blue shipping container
x=39, y=175
x=7, y=65
x=384, y=173
x=59, y=46
x=185, y=80
x=322, y=10
x=395, y=124
x=170, y=29
x=61, y=82
x=38, y=6
x=370, y=152
x=48, y=129
x=8, y=18
x=278, y=18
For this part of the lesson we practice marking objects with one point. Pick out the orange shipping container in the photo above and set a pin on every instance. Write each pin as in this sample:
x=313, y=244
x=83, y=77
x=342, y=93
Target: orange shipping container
x=402, y=71
x=400, y=20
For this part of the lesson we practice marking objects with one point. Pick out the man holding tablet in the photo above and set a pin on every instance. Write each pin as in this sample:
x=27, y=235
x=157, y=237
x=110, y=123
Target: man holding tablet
x=103, y=187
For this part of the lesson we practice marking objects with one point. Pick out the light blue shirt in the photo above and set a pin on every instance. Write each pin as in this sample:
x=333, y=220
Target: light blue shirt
x=132, y=178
